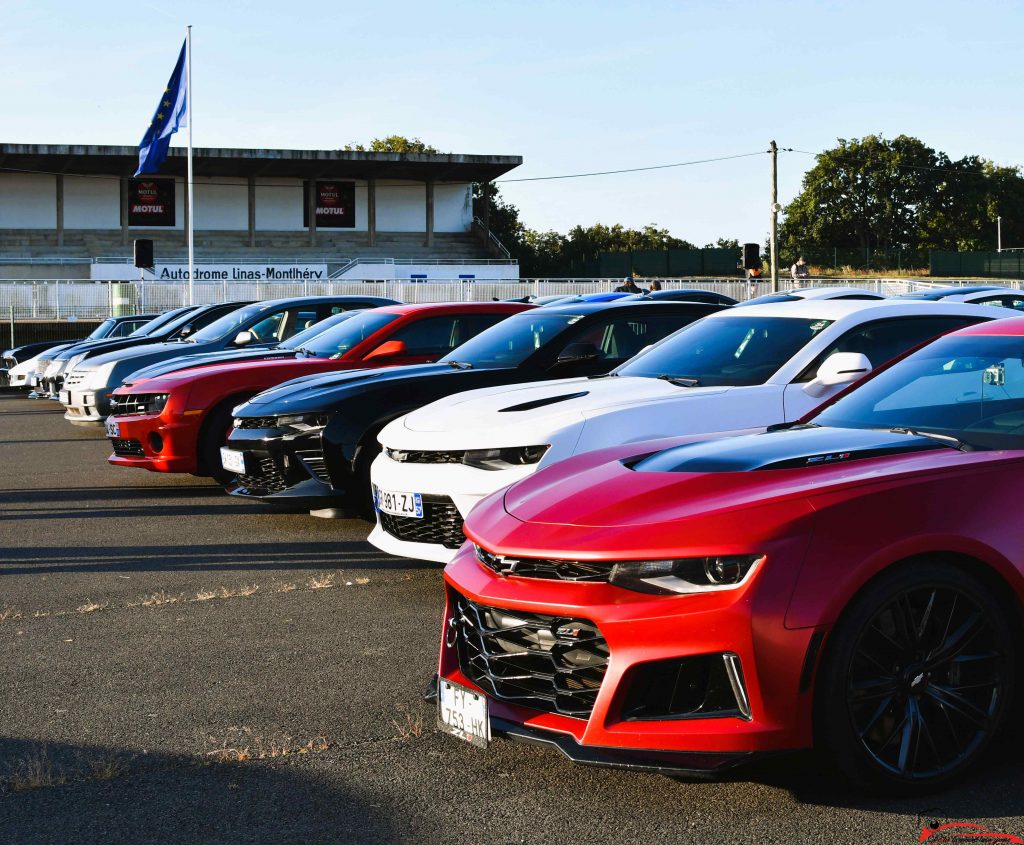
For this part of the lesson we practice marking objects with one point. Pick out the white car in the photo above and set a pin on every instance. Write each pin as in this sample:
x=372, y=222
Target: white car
x=734, y=371
x=21, y=375
x=825, y=292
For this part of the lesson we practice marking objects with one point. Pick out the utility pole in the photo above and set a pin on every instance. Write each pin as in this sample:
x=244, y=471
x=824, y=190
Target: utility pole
x=774, y=150
x=999, y=234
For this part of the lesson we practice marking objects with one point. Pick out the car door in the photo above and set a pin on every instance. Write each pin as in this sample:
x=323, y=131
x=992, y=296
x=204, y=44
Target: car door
x=880, y=341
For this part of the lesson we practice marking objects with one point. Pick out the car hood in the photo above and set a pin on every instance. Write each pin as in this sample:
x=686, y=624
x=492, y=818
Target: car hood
x=226, y=356
x=154, y=351
x=551, y=403
x=166, y=382
x=708, y=478
x=101, y=347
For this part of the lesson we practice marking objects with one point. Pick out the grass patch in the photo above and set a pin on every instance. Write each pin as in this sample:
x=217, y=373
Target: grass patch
x=321, y=582
x=8, y=613
x=158, y=599
x=409, y=725
x=35, y=771
x=242, y=744
x=91, y=606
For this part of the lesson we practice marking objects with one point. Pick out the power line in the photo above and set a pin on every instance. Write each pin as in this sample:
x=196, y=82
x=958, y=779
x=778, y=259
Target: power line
x=629, y=169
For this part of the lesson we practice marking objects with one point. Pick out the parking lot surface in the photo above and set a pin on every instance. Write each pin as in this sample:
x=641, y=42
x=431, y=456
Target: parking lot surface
x=178, y=666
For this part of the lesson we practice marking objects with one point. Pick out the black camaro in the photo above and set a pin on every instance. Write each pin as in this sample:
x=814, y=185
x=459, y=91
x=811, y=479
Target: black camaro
x=310, y=442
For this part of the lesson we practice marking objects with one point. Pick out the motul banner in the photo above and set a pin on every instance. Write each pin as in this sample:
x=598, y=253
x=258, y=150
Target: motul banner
x=151, y=202
x=335, y=205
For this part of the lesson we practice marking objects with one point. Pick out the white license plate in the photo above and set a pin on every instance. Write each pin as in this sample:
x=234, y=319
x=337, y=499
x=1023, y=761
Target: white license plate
x=33, y=381
x=113, y=427
x=232, y=460
x=463, y=713
x=399, y=504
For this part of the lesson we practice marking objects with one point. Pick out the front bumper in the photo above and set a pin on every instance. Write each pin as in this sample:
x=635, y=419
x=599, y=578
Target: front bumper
x=454, y=489
x=86, y=407
x=640, y=632
x=148, y=441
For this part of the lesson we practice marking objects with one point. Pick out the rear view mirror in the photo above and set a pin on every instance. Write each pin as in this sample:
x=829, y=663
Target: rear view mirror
x=578, y=352
x=840, y=368
x=243, y=338
x=388, y=349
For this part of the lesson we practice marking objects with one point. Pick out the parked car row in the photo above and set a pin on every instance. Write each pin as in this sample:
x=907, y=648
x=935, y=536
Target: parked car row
x=697, y=532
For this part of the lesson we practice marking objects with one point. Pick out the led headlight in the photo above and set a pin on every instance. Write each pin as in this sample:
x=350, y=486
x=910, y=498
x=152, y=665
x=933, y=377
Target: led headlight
x=302, y=422
x=74, y=361
x=147, y=403
x=97, y=380
x=497, y=459
x=684, y=575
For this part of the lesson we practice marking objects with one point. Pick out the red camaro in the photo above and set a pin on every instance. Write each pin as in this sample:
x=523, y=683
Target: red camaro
x=853, y=583
x=178, y=422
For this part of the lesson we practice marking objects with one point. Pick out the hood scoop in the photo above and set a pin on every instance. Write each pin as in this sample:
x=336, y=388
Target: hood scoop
x=540, y=403
x=800, y=448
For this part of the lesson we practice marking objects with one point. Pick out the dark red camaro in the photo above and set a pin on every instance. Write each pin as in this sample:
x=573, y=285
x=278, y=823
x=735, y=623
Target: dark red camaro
x=178, y=422
x=852, y=583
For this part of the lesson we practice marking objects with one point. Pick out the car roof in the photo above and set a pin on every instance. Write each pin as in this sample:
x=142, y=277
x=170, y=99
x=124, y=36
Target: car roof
x=315, y=300
x=949, y=290
x=582, y=308
x=456, y=308
x=838, y=309
x=1008, y=327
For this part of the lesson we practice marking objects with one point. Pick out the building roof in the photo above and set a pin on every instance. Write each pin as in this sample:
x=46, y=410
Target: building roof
x=209, y=161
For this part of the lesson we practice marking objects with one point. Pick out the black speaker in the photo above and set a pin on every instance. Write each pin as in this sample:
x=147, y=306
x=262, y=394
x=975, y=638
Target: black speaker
x=144, y=253
x=751, y=256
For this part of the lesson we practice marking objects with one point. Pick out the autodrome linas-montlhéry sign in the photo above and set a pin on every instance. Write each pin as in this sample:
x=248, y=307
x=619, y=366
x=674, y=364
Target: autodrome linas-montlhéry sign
x=215, y=272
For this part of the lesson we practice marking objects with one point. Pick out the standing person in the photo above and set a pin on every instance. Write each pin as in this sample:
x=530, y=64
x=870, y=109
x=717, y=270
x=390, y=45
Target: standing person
x=655, y=285
x=800, y=270
x=628, y=286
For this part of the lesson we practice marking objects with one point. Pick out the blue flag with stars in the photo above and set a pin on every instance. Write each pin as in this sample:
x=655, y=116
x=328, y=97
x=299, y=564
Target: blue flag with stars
x=168, y=118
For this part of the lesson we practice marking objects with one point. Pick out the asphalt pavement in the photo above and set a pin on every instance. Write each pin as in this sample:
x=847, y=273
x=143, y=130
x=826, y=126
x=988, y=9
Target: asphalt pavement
x=179, y=666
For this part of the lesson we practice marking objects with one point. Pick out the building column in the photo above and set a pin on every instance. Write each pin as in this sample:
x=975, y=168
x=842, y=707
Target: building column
x=485, y=212
x=371, y=211
x=311, y=208
x=60, y=209
x=252, y=210
x=124, y=211
x=430, y=213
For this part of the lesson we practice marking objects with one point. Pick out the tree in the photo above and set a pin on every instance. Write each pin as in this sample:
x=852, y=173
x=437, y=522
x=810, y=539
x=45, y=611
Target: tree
x=392, y=144
x=724, y=243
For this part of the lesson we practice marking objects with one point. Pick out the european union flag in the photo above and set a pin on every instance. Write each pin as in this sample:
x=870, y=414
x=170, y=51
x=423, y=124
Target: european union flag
x=168, y=118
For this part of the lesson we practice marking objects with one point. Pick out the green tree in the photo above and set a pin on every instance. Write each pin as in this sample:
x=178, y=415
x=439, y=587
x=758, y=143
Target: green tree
x=392, y=144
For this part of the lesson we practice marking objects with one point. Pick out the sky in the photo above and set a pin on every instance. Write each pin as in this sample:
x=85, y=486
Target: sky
x=572, y=87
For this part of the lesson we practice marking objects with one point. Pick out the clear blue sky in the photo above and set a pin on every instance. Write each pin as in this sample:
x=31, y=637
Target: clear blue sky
x=570, y=86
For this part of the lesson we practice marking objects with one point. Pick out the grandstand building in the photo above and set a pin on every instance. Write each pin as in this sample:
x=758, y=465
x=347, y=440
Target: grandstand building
x=71, y=211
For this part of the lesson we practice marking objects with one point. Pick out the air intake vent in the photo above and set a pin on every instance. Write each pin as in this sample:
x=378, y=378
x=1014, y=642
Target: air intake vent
x=540, y=403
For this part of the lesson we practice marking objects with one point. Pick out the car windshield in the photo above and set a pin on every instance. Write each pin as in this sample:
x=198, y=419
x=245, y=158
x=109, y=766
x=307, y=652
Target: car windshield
x=228, y=324
x=967, y=387
x=102, y=330
x=335, y=342
x=156, y=324
x=303, y=338
x=731, y=351
x=512, y=341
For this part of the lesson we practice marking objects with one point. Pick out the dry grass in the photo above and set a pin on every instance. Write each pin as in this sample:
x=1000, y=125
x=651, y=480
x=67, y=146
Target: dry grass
x=36, y=771
x=322, y=582
x=362, y=582
x=158, y=599
x=8, y=613
x=242, y=744
x=409, y=725
x=206, y=595
x=91, y=606
x=287, y=588
x=105, y=768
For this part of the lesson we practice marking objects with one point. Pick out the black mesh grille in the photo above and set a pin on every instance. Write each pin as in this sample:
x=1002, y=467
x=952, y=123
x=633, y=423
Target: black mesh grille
x=441, y=524
x=267, y=478
x=554, y=570
x=406, y=456
x=315, y=463
x=255, y=422
x=128, y=448
x=550, y=663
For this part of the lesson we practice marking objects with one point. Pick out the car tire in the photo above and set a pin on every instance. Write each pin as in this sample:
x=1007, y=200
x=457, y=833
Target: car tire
x=212, y=435
x=902, y=705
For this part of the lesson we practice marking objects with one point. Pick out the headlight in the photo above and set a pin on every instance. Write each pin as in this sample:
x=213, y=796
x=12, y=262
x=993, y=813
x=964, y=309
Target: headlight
x=140, y=403
x=99, y=378
x=302, y=422
x=74, y=361
x=53, y=368
x=684, y=575
x=497, y=459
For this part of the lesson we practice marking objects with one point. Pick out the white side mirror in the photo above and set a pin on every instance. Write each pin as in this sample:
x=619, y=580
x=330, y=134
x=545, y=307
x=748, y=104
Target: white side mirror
x=840, y=368
x=242, y=338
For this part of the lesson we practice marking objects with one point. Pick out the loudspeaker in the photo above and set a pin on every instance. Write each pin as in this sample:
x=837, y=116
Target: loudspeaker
x=144, y=253
x=751, y=256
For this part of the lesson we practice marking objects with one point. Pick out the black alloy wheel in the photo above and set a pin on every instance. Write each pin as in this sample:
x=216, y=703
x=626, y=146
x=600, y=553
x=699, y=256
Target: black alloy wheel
x=918, y=679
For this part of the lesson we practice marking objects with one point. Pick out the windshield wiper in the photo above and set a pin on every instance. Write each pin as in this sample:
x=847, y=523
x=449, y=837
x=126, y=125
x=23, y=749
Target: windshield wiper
x=604, y=375
x=948, y=440
x=459, y=365
x=680, y=381
x=303, y=350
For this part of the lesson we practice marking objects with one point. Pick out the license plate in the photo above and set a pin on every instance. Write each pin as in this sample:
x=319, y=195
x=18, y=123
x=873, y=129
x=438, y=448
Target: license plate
x=113, y=427
x=33, y=381
x=65, y=397
x=399, y=504
x=232, y=460
x=463, y=713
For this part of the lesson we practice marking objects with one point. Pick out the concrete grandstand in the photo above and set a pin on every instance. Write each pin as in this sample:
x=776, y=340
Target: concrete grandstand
x=71, y=211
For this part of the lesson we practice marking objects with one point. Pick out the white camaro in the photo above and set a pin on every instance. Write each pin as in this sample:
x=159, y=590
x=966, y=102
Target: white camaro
x=735, y=371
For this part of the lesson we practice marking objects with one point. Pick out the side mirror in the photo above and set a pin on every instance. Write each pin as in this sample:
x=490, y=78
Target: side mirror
x=185, y=331
x=840, y=368
x=388, y=349
x=243, y=338
x=578, y=352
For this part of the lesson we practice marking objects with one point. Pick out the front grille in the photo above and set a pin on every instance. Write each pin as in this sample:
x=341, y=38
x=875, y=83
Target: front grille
x=128, y=448
x=268, y=477
x=255, y=422
x=441, y=524
x=315, y=463
x=554, y=570
x=74, y=380
x=132, y=404
x=406, y=456
x=550, y=663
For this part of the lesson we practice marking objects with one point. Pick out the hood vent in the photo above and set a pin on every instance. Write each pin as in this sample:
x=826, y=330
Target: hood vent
x=540, y=403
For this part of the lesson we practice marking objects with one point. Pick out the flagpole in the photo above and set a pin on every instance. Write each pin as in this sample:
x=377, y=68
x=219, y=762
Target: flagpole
x=188, y=120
